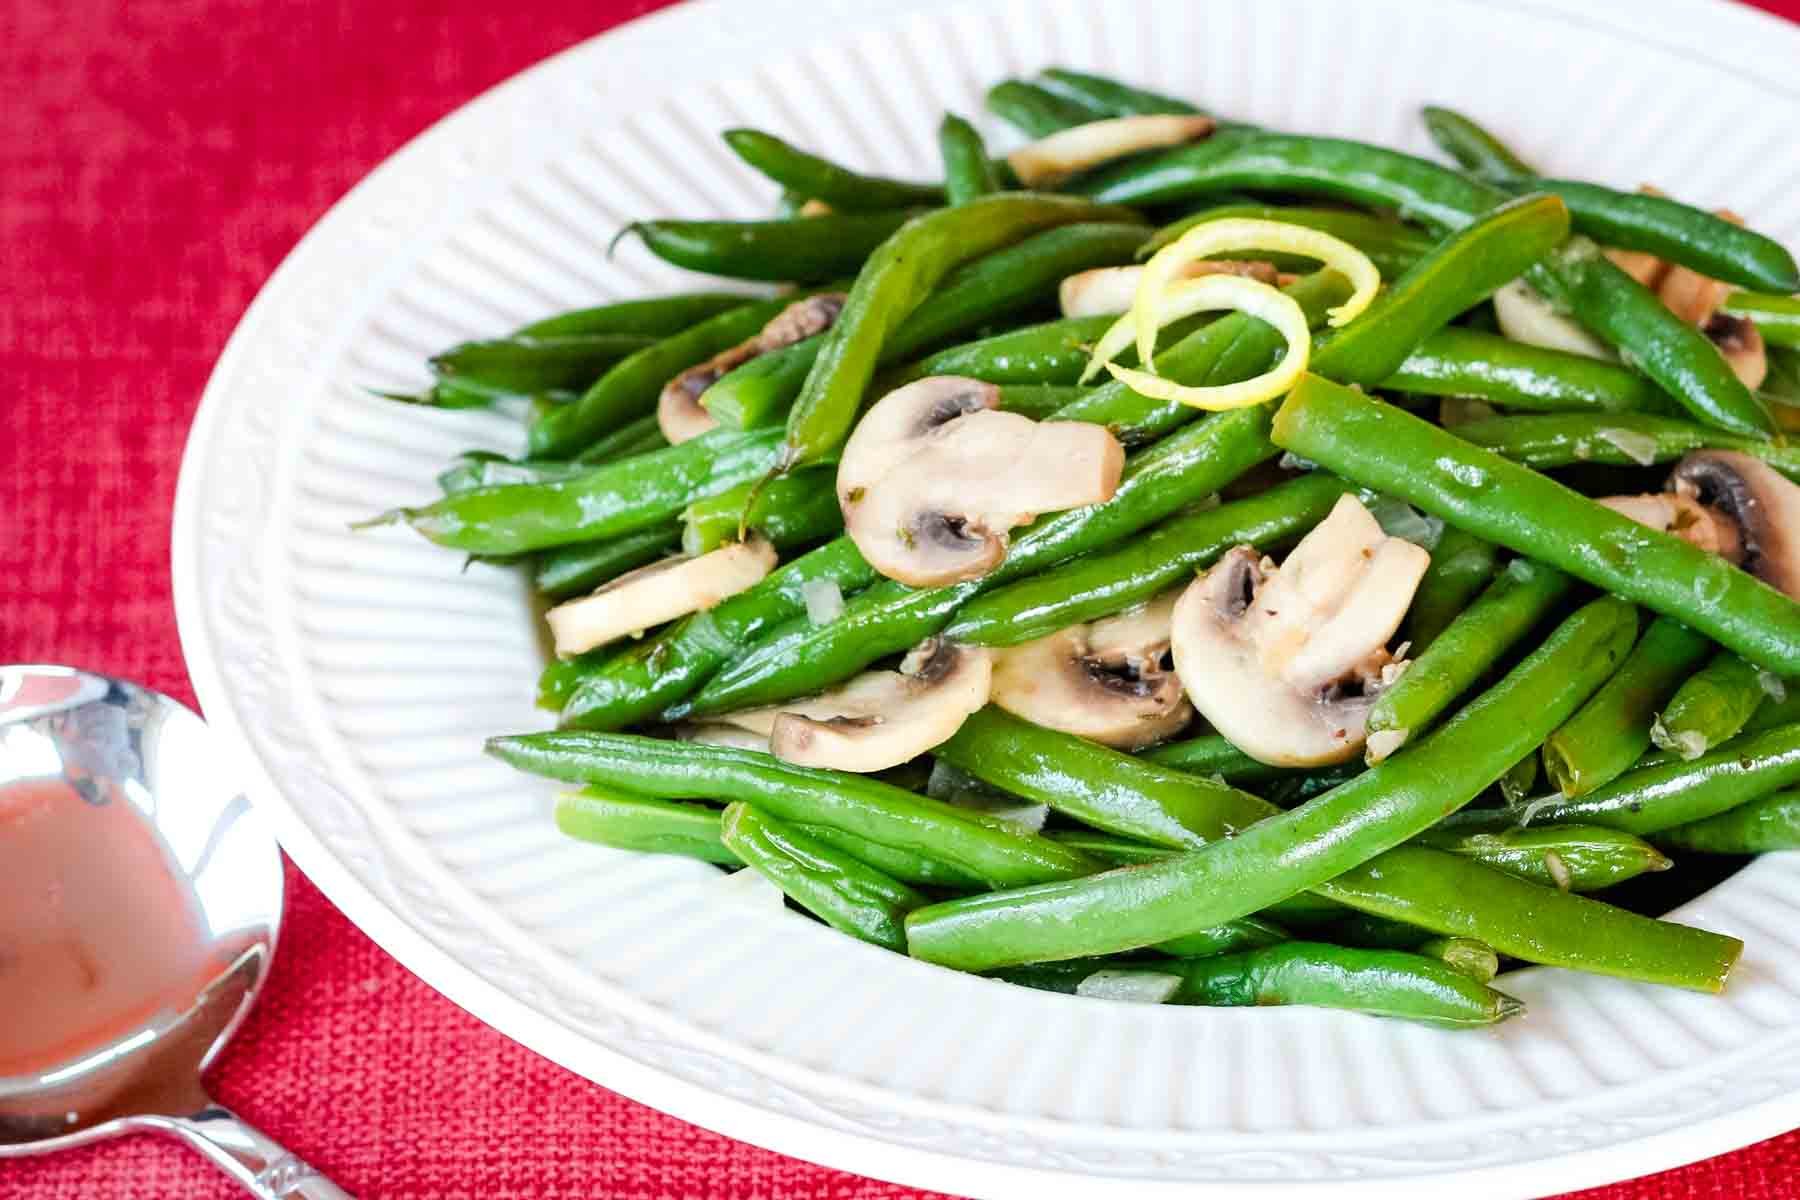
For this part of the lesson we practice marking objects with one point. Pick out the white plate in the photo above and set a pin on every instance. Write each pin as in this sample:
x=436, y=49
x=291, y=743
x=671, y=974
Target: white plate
x=358, y=673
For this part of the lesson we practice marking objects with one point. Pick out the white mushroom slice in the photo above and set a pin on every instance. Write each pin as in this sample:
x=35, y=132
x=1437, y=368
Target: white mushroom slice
x=1286, y=661
x=1080, y=147
x=1741, y=342
x=879, y=719
x=660, y=592
x=679, y=413
x=934, y=477
x=1104, y=681
x=1641, y=265
x=1106, y=291
x=1684, y=517
x=1732, y=505
x=1525, y=316
x=719, y=734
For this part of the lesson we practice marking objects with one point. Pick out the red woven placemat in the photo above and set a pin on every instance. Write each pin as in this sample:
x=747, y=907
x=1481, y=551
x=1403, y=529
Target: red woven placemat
x=157, y=159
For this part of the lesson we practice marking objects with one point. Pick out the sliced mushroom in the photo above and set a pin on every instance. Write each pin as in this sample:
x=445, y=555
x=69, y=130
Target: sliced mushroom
x=709, y=733
x=1641, y=265
x=1741, y=342
x=1069, y=151
x=660, y=592
x=935, y=475
x=1106, y=681
x=1104, y=291
x=879, y=719
x=1286, y=661
x=1732, y=505
x=1525, y=316
x=679, y=413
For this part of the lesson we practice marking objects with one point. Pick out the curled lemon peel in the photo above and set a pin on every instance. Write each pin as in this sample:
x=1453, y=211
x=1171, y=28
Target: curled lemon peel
x=1211, y=293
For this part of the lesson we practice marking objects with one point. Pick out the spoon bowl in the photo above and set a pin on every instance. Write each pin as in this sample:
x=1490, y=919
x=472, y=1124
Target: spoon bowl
x=140, y=905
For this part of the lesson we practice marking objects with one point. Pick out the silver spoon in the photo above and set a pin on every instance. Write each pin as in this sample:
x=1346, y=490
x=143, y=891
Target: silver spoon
x=140, y=899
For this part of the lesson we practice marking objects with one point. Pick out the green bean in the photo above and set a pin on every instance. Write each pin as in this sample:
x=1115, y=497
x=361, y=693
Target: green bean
x=1612, y=731
x=480, y=468
x=998, y=853
x=807, y=249
x=1293, y=851
x=630, y=495
x=968, y=170
x=1384, y=448
x=1105, y=97
x=1467, y=956
x=1103, y=582
x=627, y=822
x=1054, y=352
x=760, y=391
x=1711, y=707
x=521, y=366
x=634, y=437
x=1468, y=362
x=1548, y=441
x=1475, y=149
x=1651, y=799
x=1467, y=266
x=1034, y=111
x=1461, y=566
x=818, y=178
x=789, y=511
x=1577, y=276
x=662, y=316
x=1391, y=246
x=898, y=277
x=630, y=389
x=1039, y=401
x=1576, y=858
x=642, y=680
x=574, y=570
x=1777, y=317
x=1213, y=754
x=1382, y=983
x=845, y=893
x=1761, y=826
x=1478, y=638
x=802, y=657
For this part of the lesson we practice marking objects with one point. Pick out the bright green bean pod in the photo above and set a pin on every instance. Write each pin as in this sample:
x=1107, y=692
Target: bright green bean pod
x=995, y=852
x=1710, y=708
x=659, y=317
x=1575, y=858
x=968, y=169
x=1054, y=352
x=1651, y=799
x=1612, y=731
x=790, y=511
x=1461, y=565
x=522, y=365
x=1777, y=317
x=630, y=389
x=1213, y=754
x=760, y=391
x=1034, y=111
x=1475, y=150
x=630, y=495
x=1475, y=959
x=1389, y=450
x=1104, y=97
x=1293, y=851
x=480, y=468
x=1468, y=648
x=1103, y=582
x=1039, y=401
x=897, y=278
x=1391, y=246
x=573, y=570
x=1245, y=933
x=805, y=249
x=820, y=179
x=1467, y=266
x=634, y=437
x=1549, y=441
x=1762, y=826
x=1382, y=983
x=1469, y=362
x=890, y=617
x=848, y=895
x=636, y=683
x=627, y=822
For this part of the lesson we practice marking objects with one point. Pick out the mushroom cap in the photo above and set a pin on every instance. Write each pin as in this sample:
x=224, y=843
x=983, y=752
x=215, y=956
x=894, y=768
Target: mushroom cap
x=1686, y=518
x=1285, y=661
x=879, y=719
x=934, y=476
x=1741, y=342
x=1525, y=316
x=1103, y=681
x=1762, y=502
x=679, y=413
x=1082, y=146
x=660, y=592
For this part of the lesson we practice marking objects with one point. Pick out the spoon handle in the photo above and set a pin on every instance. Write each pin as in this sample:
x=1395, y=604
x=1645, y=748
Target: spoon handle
x=252, y=1157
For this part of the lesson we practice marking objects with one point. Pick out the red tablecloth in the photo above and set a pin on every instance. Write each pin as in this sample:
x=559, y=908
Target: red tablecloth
x=157, y=159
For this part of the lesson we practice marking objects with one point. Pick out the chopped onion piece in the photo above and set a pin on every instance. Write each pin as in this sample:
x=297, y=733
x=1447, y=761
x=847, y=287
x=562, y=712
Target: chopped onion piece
x=1559, y=870
x=1384, y=742
x=1537, y=806
x=1689, y=744
x=1772, y=686
x=1400, y=519
x=1132, y=987
x=1289, y=461
x=1640, y=448
x=824, y=600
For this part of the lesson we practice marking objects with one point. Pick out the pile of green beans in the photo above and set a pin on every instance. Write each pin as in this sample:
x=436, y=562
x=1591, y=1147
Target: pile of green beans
x=1551, y=645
